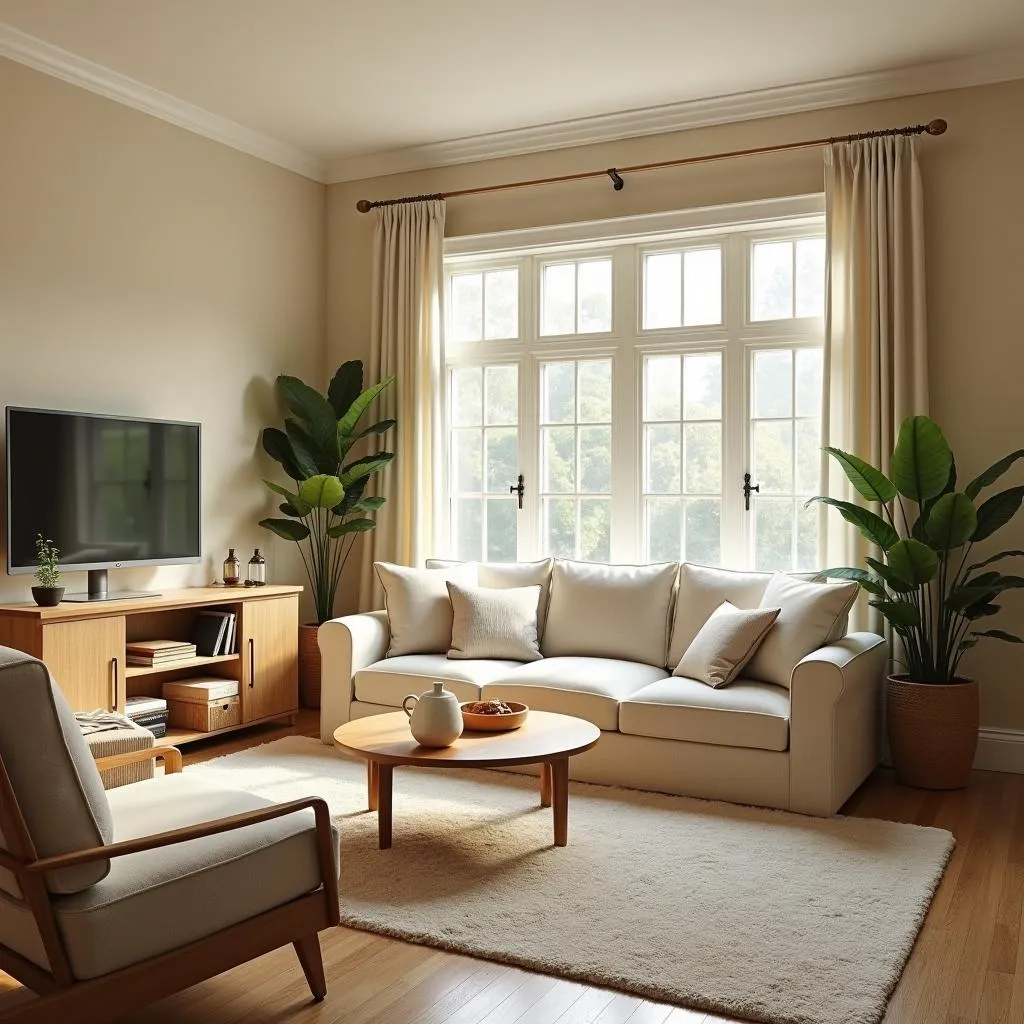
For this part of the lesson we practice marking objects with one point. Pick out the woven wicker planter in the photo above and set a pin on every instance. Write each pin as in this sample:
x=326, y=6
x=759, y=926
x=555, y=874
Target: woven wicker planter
x=933, y=732
x=309, y=666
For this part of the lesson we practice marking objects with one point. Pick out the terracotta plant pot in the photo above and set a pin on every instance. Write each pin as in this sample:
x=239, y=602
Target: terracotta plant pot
x=309, y=665
x=47, y=597
x=933, y=731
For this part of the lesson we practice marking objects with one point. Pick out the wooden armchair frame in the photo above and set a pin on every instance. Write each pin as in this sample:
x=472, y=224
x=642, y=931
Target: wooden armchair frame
x=62, y=998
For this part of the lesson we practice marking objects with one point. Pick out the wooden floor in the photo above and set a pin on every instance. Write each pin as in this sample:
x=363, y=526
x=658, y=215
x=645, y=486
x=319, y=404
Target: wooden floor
x=967, y=965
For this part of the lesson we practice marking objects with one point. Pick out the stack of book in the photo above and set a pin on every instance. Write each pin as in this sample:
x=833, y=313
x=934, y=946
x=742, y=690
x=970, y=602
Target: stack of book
x=156, y=653
x=214, y=633
x=149, y=712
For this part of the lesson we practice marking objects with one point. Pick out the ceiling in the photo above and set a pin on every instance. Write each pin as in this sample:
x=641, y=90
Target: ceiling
x=343, y=79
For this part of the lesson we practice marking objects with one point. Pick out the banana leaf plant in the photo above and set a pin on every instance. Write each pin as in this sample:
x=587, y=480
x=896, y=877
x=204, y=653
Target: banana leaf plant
x=925, y=584
x=326, y=505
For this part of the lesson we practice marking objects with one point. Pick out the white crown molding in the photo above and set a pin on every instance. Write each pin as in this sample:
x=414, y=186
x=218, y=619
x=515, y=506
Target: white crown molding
x=788, y=99
x=52, y=60
x=1000, y=750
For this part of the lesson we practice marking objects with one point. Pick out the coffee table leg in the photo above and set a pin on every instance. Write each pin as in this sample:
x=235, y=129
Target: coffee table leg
x=545, y=784
x=372, y=776
x=385, y=773
x=560, y=799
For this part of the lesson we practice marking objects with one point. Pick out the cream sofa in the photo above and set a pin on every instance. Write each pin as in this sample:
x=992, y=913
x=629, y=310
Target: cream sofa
x=805, y=746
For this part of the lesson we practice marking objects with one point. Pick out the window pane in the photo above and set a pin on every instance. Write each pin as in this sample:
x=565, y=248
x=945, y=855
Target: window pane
x=501, y=303
x=773, y=534
x=808, y=382
x=704, y=531
x=596, y=460
x=467, y=396
x=466, y=315
x=772, y=281
x=501, y=402
x=558, y=299
x=661, y=388
x=467, y=529
x=595, y=530
x=808, y=457
x=502, y=444
x=501, y=529
x=559, y=527
x=663, y=529
x=595, y=296
x=663, y=290
x=702, y=387
x=807, y=538
x=810, y=277
x=663, y=459
x=595, y=391
x=703, y=458
x=773, y=456
x=558, y=392
x=558, y=473
x=702, y=287
x=467, y=461
x=773, y=383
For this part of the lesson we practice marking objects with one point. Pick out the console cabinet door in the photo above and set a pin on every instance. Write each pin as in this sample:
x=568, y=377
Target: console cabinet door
x=270, y=657
x=86, y=658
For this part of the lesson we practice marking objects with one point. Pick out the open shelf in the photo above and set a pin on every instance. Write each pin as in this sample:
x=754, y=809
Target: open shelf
x=131, y=671
x=176, y=736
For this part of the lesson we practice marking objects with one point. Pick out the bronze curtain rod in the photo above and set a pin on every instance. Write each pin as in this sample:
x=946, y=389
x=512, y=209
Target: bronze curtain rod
x=936, y=127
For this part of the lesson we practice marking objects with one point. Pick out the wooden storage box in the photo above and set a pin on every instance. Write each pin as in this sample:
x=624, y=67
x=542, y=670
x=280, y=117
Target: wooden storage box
x=203, y=704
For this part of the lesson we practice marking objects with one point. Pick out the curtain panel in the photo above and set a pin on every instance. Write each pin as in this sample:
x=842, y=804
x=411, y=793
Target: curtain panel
x=407, y=341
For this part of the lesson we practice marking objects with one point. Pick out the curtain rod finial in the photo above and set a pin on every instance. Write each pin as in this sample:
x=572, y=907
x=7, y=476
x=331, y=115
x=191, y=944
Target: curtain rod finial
x=937, y=127
x=364, y=205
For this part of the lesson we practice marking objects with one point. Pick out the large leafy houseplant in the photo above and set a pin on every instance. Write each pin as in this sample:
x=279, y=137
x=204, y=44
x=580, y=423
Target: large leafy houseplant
x=929, y=588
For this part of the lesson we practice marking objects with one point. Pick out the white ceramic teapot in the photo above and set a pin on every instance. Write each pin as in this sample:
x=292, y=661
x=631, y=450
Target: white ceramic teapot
x=436, y=718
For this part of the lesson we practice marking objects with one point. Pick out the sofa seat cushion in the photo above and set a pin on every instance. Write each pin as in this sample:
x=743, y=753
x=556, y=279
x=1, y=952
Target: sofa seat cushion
x=390, y=681
x=744, y=714
x=161, y=899
x=589, y=688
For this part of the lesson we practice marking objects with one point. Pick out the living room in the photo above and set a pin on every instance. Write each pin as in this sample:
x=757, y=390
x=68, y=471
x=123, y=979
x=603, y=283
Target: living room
x=602, y=468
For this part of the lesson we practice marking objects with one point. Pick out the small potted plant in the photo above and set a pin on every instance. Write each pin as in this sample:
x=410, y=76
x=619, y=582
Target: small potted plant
x=48, y=592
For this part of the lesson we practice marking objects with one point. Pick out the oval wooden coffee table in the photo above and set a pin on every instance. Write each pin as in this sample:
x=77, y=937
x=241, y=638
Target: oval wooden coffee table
x=544, y=738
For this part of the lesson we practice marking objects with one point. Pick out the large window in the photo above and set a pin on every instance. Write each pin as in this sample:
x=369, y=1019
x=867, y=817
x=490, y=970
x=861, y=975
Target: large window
x=633, y=384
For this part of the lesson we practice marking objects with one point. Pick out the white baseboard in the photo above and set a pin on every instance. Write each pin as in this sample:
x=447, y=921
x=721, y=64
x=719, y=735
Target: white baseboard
x=1000, y=750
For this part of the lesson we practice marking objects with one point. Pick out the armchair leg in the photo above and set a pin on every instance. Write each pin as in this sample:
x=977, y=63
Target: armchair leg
x=308, y=951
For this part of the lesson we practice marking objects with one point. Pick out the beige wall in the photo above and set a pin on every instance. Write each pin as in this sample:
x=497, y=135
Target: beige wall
x=147, y=271
x=974, y=209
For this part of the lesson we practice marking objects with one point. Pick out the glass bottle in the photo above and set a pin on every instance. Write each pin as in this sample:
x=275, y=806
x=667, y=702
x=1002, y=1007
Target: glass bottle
x=232, y=568
x=257, y=570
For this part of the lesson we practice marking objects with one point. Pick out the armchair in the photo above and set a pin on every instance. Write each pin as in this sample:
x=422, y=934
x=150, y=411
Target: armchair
x=110, y=901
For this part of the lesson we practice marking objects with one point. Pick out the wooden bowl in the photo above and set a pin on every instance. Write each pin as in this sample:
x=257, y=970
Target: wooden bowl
x=494, y=723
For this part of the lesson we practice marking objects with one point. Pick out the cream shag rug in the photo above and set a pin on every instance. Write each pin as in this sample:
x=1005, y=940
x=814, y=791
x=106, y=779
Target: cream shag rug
x=753, y=913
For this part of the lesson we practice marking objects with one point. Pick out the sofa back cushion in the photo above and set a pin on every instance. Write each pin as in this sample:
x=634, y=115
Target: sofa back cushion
x=418, y=606
x=609, y=611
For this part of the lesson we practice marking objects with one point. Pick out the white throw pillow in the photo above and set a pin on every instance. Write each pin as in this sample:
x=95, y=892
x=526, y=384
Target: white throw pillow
x=701, y=590
x=493, y=622
x=725, y=643
x=808, y=620
x=609, y=611
x=419, y=609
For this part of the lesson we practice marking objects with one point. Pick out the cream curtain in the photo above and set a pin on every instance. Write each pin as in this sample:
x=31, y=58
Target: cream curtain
x=407, y=341
x=876, y=360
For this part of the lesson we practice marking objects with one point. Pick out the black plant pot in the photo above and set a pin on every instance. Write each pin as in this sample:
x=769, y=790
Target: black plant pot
x=47, y=597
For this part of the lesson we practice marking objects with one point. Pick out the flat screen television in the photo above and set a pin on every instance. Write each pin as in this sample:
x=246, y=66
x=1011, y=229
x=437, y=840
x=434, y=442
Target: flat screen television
x=109, y=491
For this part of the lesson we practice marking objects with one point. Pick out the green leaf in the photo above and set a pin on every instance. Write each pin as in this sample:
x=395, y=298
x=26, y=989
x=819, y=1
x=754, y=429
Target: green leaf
x=871, y=525
x=313, y=410
x=347, y=441
x=892, y=580
x=312, y=459
x=345, y=386
x=861, y=576
x=921, y=460
x=963, y=597
x=917, y=531
x=347, y=423
x=913, y=562
x=321, y=491
x=351, y=526
x=872, y=483
x=279, y=448
x=982, y=610
x=364, y=467
x=993, y=473
x=1008, y=583
x=998, y=634
x=997, y=512
x=951, y=521
x=291, y=497
x=899, y=613
x=368, y=504
x=288, y=509
x=286, y=528
x=1009, y=553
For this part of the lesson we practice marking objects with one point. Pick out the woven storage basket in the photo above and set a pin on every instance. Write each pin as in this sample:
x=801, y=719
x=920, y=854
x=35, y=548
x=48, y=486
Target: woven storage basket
x=933, y=732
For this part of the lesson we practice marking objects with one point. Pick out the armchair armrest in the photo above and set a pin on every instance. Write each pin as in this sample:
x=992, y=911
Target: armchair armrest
x=835, y=721
x=171, y=756
x=347, y=645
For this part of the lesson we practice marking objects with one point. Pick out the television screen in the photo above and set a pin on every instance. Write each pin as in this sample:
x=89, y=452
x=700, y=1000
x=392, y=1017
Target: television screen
x=107, y=491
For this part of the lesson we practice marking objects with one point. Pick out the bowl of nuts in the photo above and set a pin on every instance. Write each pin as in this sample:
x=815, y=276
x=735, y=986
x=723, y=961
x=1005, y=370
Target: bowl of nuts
x=493, y=715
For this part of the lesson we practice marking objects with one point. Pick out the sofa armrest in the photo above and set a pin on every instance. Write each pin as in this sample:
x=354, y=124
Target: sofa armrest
x=347, y=645
x=835, y=721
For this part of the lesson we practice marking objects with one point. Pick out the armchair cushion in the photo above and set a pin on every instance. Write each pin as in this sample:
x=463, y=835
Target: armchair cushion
x=161, y=899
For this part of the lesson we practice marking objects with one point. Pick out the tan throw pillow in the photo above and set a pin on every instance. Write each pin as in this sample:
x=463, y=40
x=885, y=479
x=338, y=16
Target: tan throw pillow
x=809, y=618
x=488, y=622
x=419, y=609
x=725, y=643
